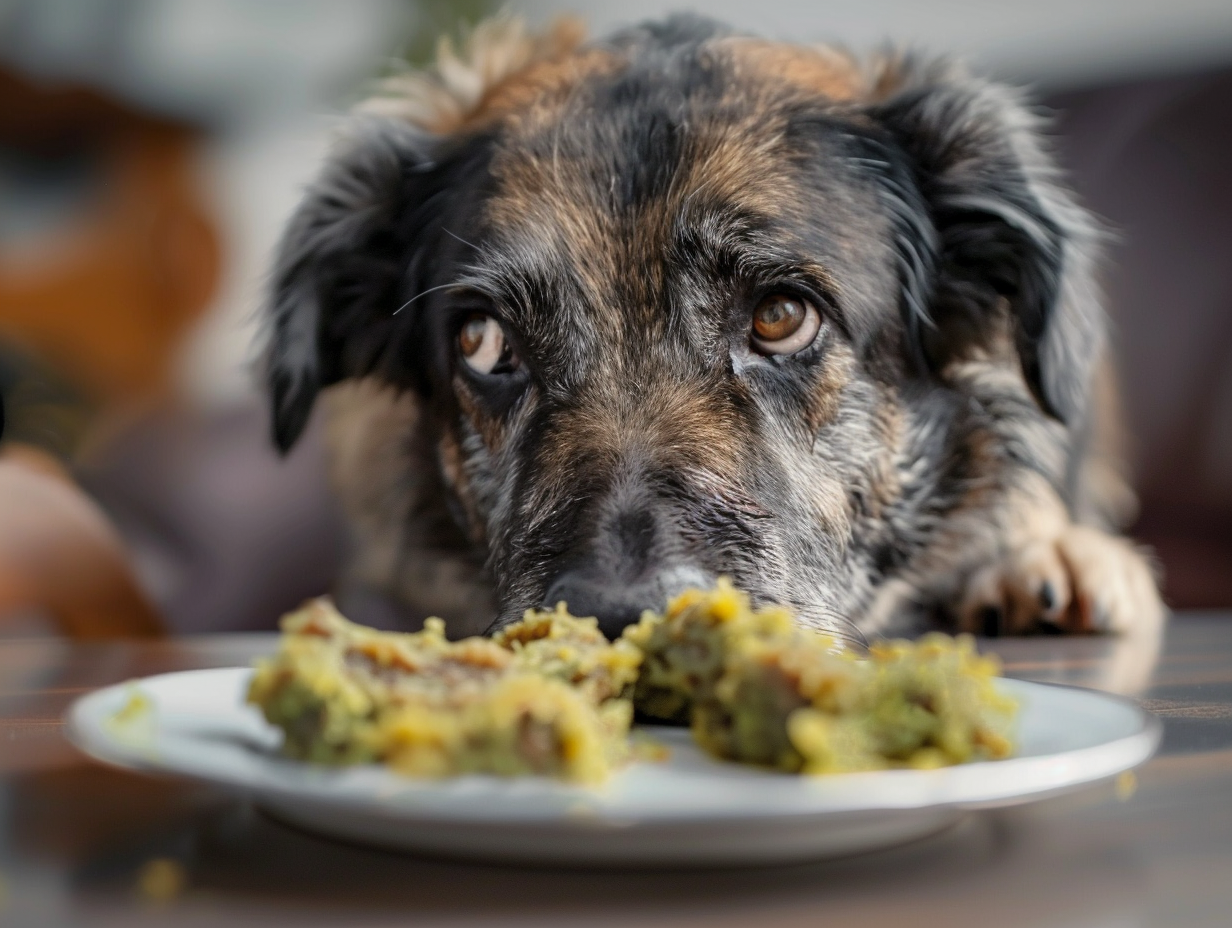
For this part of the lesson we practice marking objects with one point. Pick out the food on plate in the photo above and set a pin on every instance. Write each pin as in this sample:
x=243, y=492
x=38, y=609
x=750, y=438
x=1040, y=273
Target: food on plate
x=550, y=695
x=758, y=688
x=546, y=696
x=574, y=651
x=686, y=648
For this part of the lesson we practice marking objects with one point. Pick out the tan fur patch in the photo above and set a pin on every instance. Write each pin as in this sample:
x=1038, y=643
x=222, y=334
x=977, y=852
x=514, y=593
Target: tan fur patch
x=1109, y=501
x=679, y=425
x=533, y=95
x=450, y=94
x=553, y=200
x=886, y=480
x=824, y=400
x=452, y=463
x=372, y=432
x=819, y=70
x=545, y=196
x=368, y=426
x=737, y=166
x=886, y=74
x=490, y=430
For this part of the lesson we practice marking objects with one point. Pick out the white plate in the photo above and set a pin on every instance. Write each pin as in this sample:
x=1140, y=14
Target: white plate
x=688, y=810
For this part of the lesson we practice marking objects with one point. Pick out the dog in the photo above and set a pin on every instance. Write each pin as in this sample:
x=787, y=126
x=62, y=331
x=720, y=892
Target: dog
x=596, y=322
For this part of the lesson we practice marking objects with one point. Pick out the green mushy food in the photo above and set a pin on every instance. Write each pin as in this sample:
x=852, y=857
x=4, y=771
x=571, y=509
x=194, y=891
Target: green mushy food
x=758, y=688
x=545, y=696
x=550, y=695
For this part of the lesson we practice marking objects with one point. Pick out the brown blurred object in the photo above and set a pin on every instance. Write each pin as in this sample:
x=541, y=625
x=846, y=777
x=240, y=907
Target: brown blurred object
x=108, y=298
x=107, y=256
x=60, y=556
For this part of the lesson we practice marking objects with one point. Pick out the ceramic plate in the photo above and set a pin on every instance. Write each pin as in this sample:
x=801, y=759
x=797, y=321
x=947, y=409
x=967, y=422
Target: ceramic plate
x=687, y=810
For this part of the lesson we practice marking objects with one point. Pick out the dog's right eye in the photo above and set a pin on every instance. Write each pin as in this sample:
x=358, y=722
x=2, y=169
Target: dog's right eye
x=484, y=347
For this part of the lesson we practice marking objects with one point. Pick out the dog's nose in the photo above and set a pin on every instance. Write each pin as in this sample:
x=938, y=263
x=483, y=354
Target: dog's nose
x=619, y=604
x=614, y=608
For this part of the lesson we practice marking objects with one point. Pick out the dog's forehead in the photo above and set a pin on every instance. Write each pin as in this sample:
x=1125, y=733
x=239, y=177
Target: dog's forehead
x=615, y=158
x=602, y=136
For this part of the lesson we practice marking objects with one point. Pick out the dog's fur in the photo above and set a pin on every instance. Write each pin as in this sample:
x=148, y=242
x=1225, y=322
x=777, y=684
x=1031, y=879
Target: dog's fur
x=936, y=456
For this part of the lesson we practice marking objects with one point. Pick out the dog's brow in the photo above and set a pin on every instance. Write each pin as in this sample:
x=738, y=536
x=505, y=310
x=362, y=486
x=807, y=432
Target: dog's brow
x=746, y=246
x=715, y=228
x=515, y=280
x=501, y=277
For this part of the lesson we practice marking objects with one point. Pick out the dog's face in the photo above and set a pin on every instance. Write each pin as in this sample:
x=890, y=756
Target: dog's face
x=660, y=303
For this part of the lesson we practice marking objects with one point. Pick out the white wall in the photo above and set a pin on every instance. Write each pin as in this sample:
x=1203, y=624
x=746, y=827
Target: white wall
x=1045, y=42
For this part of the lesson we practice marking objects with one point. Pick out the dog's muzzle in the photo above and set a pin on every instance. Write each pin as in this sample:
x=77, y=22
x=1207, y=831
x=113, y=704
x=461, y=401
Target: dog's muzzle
x=616, y=603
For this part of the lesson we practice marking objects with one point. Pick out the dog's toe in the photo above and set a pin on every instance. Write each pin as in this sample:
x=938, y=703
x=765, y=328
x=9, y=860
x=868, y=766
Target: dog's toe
x=1026, y=591
x=1116, y=590
x=1081, y=581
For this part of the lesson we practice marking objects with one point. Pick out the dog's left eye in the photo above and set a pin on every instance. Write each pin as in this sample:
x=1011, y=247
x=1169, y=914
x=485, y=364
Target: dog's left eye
x=784, y=324
x=484, y=347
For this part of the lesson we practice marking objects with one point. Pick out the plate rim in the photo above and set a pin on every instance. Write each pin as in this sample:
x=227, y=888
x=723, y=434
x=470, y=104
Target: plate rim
x=1117, y=756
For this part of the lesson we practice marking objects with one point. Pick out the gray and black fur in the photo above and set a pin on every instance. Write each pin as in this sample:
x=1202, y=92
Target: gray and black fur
x=620, y=208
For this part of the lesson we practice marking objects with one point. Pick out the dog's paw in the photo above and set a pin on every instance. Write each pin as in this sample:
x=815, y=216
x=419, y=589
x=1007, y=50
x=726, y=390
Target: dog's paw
x=1081, y=581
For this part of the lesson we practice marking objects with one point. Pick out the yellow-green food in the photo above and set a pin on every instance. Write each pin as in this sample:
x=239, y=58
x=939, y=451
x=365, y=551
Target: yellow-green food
x=758, y=688
x=550, y=695
x=546, y=696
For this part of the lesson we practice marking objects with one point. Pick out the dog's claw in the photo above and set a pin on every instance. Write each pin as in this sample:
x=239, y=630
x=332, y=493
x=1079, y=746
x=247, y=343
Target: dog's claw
x=1047, y=598
x=992, y=621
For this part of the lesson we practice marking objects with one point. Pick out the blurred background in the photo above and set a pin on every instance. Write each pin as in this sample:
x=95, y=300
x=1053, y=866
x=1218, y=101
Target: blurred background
x=151, y=149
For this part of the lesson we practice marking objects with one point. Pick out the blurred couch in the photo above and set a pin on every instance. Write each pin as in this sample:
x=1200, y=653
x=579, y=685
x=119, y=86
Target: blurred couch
x=1154, y=158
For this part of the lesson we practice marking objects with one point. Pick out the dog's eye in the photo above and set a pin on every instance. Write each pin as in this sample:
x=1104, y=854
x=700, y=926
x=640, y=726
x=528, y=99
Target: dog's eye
x=484, y=346
x=784, y=324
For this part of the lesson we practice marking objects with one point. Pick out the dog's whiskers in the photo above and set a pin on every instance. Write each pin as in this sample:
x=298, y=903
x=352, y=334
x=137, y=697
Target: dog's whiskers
x=460, y=239
x=423, y=294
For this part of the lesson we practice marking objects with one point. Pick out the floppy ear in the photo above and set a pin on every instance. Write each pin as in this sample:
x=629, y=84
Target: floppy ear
x=998, y=229
x=331, y=310
x=363, y=228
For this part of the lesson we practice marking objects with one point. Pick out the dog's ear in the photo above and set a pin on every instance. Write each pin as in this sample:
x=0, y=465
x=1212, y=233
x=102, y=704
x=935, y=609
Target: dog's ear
x=364, y=227
x=998, y=229
x=342, y=257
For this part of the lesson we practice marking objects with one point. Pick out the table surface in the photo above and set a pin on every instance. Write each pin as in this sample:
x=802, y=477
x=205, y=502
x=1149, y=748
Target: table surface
x=75, y=837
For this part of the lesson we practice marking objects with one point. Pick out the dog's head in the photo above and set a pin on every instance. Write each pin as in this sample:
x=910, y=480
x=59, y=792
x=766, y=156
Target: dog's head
x=681, y=304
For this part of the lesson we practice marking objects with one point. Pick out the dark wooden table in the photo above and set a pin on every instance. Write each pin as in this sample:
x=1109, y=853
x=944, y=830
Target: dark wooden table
x=76, y=839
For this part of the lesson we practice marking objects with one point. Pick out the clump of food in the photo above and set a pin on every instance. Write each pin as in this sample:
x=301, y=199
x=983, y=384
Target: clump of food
x=685, y=650
x=574, y=651
x=548, y=695
x=758, y=688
